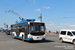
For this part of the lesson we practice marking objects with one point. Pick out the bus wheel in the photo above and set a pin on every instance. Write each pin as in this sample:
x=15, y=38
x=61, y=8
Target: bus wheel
x=23, y=38
x=13, y=36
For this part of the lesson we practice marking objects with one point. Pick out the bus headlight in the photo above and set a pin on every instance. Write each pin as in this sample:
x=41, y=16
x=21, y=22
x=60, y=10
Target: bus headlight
x=30, y=36
x=44, y=36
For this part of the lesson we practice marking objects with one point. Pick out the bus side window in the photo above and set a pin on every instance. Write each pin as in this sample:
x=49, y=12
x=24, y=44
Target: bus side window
x=25, y=28
x=22, y=29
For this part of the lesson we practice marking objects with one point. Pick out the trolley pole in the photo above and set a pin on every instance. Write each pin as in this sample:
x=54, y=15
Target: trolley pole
x=40, y=17
x=16, y=21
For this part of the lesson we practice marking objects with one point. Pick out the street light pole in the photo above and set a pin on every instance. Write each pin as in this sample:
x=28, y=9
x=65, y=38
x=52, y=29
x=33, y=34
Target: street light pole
x=40, y=17
x=4, y=25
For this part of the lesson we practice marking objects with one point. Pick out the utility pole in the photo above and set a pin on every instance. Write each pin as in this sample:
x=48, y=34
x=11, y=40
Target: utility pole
x=40, y=17
x=7, y=26
x=4, y=25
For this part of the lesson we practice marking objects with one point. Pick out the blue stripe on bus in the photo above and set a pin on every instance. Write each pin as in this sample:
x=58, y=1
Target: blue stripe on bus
x=10, y=34
x=29, y=39
x=43, y=38
x=15, y=36
x=20, y=37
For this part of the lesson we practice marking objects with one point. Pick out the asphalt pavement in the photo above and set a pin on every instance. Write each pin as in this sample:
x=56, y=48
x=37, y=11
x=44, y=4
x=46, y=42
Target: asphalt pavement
x=51, y=43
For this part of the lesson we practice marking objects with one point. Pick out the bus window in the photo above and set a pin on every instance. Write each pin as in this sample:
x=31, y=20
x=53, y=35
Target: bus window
x=36, y=28
x=26, y=29
x=42, y=28
x=32, y=28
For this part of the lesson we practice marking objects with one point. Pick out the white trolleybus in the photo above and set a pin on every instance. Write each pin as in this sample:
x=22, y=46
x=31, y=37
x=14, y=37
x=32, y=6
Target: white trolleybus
x=28, y=30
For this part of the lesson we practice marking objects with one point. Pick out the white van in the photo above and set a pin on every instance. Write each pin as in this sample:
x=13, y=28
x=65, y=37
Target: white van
x=67, y=35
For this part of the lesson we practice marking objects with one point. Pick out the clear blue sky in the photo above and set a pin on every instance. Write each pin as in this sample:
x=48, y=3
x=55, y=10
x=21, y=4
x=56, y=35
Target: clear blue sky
x=57, y=14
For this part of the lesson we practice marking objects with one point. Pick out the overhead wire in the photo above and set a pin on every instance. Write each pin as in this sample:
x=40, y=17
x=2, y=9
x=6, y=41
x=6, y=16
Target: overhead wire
x=59, y=18
x=22, y=5
x=18, y=5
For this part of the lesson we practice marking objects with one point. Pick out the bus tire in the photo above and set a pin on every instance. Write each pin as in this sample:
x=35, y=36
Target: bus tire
x=23, y=39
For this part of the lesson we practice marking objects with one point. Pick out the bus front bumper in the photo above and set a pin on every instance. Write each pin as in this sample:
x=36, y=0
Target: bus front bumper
x=31, y=39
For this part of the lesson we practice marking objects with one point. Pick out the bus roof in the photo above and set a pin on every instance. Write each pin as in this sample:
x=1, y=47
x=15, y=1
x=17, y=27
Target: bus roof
x=27, y=20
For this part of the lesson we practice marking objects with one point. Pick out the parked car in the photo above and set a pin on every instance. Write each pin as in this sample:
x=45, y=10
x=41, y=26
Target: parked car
x=67, y=36
x=8, y=32
x=4, y=30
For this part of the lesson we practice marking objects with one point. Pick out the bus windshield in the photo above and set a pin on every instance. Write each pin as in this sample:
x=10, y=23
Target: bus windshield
x=36, y=28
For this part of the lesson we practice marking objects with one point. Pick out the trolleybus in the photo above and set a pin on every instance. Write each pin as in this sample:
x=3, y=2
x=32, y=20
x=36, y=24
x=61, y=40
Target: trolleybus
x=28, y=30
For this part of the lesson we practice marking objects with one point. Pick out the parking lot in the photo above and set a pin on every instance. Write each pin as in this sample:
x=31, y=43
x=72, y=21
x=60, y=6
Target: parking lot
x=51, y=43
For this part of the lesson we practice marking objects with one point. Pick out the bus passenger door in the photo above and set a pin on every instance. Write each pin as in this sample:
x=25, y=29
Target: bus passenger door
x=26, y=31
x=17, y=33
